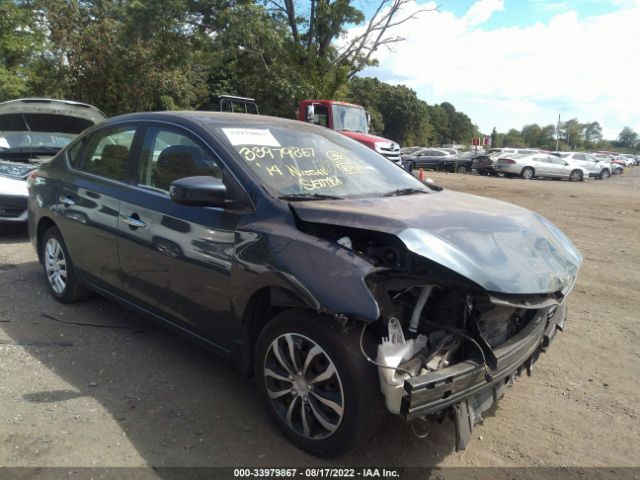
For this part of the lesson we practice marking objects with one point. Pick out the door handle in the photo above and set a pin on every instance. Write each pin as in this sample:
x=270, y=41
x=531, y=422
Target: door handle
x=134, y=222
x=67, y=201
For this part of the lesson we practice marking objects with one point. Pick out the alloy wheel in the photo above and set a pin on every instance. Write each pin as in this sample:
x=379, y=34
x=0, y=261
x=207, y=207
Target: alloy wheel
x=55, y=265
x=304, y=386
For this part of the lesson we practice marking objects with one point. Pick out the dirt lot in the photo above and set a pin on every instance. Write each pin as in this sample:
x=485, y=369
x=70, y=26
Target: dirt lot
x=128, y=393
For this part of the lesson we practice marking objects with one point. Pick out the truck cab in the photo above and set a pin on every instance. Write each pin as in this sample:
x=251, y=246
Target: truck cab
x=350, y=120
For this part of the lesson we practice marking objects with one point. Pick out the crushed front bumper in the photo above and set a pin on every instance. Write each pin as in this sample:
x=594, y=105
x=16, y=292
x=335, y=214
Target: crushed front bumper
x=464, y=386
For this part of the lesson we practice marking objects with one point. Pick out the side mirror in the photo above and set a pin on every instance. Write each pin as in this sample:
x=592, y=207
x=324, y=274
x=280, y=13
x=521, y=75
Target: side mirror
x=310, y=113
x=368, y=117
x=198, y=192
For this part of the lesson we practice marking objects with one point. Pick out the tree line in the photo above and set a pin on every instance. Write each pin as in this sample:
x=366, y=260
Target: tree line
x=568, y=135
x=133, y=55
x=129, y=55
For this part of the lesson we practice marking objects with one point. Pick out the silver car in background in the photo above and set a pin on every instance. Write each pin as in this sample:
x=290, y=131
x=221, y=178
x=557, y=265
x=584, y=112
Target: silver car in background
x=598, y=168
x=540, y=165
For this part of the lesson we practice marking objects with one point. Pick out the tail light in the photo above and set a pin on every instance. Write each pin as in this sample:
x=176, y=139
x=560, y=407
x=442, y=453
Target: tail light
x=507, y=160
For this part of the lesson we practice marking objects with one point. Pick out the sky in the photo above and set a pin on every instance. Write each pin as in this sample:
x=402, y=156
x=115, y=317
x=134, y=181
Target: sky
x=510, y=63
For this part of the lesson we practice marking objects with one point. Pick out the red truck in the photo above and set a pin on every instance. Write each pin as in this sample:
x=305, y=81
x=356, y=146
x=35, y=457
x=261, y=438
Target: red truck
x=350, y=120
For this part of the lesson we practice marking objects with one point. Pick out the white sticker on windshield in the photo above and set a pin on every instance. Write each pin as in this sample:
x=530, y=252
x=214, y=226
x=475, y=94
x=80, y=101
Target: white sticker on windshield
x=251, y=136
x=4, y=143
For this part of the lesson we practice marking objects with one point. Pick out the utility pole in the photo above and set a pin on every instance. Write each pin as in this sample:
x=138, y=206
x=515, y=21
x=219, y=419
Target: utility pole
x=558, y=135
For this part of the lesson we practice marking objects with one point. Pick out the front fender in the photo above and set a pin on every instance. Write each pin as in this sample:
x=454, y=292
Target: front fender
x=327, y=277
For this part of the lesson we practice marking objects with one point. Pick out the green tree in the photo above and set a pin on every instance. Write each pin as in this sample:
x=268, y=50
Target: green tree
x=628, y=138
x=531, y=135
x=127, y=56
x=592, y=133
x=315, y=26
x=23, y=49
x=406, y=118
x=572, y=134
x=494, y=137
x=513, y=138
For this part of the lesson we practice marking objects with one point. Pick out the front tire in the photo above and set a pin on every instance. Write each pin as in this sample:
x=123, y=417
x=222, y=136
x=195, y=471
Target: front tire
x=317, y=387
x=605, y=174
x=59, y=272
x=462, y=169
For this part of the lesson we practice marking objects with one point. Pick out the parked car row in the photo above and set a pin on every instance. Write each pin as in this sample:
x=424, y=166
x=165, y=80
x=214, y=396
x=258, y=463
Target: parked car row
x=523, y=162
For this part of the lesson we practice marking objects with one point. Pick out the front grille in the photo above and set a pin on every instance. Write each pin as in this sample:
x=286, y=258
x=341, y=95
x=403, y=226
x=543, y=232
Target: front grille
x=10, y=212
x=13, y=201
x=392, y=152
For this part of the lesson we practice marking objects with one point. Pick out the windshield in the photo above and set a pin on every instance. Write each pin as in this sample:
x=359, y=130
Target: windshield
x=316, y=163
x=15, y=140
x=348, y=118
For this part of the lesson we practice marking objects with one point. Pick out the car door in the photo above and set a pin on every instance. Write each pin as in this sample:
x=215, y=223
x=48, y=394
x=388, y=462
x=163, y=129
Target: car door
x=542, y=165
x=89, y=202
x=559, y=167
x=430, y=159
x=176, y=259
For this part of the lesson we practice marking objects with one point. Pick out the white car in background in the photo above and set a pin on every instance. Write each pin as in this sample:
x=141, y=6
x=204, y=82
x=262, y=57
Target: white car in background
x=540, y=165
x=597, y=168
x=32, y=131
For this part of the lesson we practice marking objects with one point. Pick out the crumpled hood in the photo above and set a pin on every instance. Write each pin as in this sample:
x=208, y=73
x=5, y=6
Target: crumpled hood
x=499, y=246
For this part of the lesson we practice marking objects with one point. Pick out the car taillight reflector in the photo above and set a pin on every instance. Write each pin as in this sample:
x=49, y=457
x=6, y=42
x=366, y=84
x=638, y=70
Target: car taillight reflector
x=507, y=160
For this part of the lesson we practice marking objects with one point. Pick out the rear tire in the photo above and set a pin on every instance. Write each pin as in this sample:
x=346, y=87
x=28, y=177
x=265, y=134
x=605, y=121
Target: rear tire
x=59, y=272
x=462, y=169
x=329, y=416
x=527, y=173
x=576, y=176
x=604, y=175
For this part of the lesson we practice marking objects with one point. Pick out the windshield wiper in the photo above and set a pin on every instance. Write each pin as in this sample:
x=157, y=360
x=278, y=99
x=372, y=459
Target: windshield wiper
x=309, y=196
x=403, y=191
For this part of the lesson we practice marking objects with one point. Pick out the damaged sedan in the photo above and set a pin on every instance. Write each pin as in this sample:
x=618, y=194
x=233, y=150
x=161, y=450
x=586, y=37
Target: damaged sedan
x=339, y=282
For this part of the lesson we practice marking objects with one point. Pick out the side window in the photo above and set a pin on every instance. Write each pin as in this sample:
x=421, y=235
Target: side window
x=321, y=116
x=73, y=153
x=579, y=156
x=541, y=158
x=168, y=155
x=106, y=153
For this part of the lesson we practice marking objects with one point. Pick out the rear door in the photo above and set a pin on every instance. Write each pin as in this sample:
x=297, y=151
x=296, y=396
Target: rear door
x=176, y=259
x=542, y=165
x=89, y=202
x=559, y=167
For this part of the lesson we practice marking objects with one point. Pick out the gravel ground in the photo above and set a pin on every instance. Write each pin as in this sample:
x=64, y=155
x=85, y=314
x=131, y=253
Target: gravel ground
x=128, y=393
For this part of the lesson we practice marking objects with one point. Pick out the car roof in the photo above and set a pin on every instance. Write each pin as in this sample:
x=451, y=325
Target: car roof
x=208, y=118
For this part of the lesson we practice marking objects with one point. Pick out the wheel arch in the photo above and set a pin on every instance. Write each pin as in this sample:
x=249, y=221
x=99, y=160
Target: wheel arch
x=260, y=308
x=44, y=224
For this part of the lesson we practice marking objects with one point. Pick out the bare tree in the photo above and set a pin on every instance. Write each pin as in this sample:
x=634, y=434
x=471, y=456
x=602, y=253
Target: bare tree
x=316, y=27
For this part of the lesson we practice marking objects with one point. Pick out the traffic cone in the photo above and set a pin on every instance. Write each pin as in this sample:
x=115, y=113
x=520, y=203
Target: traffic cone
x=421, y=175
